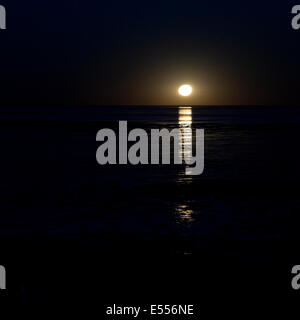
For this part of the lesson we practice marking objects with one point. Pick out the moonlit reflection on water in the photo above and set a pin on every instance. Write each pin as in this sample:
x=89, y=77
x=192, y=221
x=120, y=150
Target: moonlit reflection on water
x=184, y=213
x=185, y=117
x=185, y=121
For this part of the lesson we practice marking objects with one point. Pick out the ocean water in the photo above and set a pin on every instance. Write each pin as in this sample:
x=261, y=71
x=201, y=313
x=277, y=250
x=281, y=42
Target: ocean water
x=56, y=201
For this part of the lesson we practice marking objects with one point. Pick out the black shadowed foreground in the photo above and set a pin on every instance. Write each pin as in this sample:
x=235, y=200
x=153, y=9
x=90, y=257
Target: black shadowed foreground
x=77, y=234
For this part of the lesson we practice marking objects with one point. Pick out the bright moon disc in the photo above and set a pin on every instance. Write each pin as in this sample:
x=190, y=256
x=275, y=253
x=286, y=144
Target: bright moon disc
x=185, y=90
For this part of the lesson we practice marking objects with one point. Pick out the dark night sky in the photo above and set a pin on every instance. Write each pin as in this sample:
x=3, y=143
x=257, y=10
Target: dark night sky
x=137, y=52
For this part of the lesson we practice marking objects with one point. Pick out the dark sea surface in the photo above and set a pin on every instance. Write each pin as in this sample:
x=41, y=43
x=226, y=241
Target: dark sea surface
x=149, y=231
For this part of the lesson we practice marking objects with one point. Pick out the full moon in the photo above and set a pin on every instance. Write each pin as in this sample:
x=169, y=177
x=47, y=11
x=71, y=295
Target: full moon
x=185, y=90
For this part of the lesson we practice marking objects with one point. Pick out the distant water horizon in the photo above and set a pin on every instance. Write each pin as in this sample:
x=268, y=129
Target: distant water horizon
x=211, y=114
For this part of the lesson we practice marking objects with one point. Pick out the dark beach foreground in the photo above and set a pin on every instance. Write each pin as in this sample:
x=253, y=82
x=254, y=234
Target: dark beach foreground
x=80, y=235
